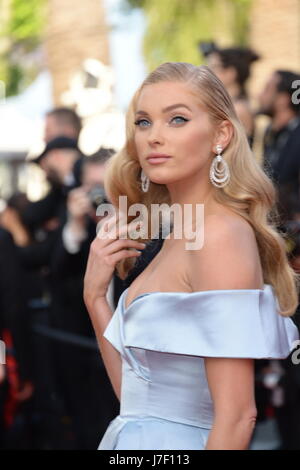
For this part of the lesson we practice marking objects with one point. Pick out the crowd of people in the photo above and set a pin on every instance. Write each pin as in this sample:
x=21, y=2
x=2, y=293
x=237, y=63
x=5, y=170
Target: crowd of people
x=55, y=393
x=54, y=390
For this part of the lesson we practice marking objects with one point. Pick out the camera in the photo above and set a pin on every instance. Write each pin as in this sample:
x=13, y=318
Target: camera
x=97, y=195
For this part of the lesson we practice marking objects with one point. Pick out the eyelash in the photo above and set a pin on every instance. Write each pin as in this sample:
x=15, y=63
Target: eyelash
x=137, y=123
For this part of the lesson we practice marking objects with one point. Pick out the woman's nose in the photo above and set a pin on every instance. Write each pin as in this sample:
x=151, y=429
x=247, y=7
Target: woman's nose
x=155, y=135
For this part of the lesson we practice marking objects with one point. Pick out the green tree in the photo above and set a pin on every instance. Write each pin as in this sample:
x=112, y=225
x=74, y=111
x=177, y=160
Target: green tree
x=20, y=34
x=174, y=27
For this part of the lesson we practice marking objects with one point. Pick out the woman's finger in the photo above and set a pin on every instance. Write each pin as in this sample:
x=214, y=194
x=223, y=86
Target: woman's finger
x=122, y=254
x=120, y=244
x=116, y=232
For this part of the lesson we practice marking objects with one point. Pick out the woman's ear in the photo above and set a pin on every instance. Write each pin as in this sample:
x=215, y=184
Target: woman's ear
x=223, y=135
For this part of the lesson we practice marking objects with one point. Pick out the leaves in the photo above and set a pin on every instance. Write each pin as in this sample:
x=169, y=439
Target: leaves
x=174, y=27
x=21, y=32
x=26, y=20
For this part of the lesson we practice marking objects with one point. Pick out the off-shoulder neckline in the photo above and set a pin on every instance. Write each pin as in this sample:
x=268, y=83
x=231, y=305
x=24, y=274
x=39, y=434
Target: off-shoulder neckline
x=125, y=292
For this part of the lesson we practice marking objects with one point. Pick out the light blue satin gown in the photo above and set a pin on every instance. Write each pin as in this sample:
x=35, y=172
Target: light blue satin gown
x=163, y=338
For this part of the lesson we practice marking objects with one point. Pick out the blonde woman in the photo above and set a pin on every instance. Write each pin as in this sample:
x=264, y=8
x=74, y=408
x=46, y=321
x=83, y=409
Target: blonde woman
x=180, y=347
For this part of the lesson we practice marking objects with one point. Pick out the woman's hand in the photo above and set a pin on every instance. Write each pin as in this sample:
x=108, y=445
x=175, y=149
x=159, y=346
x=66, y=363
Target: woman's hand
x=79, y=204
x=10, y=220
x=106, y=250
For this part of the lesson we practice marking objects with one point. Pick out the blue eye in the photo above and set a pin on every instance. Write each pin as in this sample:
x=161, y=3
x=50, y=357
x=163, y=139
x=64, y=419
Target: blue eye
x=140, y=121
x=137, y=123
x=180, y=117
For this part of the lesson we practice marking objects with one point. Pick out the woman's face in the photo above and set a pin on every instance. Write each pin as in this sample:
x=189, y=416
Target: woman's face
x=169, y=121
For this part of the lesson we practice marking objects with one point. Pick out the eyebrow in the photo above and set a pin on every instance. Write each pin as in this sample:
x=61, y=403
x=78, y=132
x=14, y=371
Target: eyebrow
x=168, y=108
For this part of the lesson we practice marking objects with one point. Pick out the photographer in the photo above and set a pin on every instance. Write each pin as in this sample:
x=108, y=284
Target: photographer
x=89, y=400
x=281, y=152
x=16, y=386
x=62, y=121
x=232, y=66
x=62, y=130
x=43, y=220
x=83, y=201
x=61, y=161
x=80, y=228
x=282, y=164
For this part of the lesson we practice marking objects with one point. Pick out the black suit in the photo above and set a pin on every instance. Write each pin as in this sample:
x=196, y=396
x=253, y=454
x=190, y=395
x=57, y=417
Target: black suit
x=89, y=398
x=282, y=163
x=13, y=313
x=36, y=213
x=54, y=203
x=14, y=324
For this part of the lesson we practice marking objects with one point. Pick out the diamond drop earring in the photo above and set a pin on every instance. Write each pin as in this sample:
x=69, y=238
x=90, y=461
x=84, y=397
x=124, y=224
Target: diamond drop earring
x=219, y=176
x=145, y=181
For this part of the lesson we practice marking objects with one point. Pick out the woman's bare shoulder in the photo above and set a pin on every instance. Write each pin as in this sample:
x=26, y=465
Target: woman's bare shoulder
x=229, y=256
x=226, y=219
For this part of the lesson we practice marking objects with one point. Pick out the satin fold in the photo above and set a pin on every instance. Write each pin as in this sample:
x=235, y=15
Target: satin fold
x=163, y=338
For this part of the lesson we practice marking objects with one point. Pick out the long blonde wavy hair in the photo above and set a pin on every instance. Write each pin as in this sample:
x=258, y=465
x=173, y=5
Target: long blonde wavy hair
x=250, y=192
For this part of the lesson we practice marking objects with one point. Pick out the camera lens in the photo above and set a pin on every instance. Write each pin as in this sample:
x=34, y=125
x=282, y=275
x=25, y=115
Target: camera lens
x=97, y=195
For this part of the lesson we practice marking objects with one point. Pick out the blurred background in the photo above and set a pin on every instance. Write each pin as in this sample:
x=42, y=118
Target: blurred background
x=92, y=57
x=68, y=70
